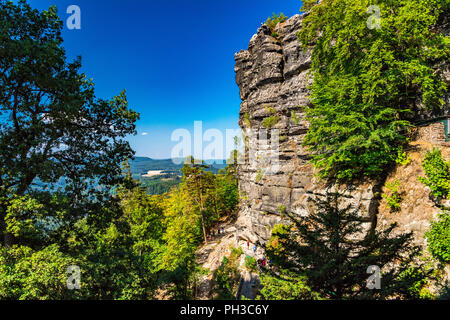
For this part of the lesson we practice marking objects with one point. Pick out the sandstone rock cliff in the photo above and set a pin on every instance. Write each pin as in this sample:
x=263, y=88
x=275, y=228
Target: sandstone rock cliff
x=273, y=78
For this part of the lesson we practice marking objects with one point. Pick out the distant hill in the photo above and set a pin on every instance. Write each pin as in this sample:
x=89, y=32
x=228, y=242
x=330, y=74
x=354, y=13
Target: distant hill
x=141, y=165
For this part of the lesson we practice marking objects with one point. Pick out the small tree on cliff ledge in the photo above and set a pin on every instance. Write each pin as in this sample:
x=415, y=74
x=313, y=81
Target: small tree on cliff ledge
x=328, y=248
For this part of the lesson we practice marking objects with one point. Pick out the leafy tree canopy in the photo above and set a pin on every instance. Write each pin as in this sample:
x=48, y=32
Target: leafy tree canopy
x=52, y=126
x=369, y=82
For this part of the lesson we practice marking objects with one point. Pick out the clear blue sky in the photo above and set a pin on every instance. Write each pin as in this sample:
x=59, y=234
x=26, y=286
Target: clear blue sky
x=175, y=58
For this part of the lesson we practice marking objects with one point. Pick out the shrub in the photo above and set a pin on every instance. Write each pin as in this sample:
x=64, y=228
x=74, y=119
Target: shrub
x=271, y=121
x=363, y=80
x=227, y=275
x=418, y=288
x=250, y=264
x=287, y=286
x=259, y=175
x=438, y=238
x=437, y=171
x=247, y=120
x=402, y=158
x=281, y=208
x=274, y=20
x=393, y=197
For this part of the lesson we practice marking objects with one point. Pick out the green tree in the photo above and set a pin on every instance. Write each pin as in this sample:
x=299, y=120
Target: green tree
x=369, y=82
x=438, y=238
x=437, y=171
x=227, y=276
x=53, y=127
x=285, y=286
x=182, y=237
x=274, y=20
x=29, y=274
x=197, y=183
x=329, y=247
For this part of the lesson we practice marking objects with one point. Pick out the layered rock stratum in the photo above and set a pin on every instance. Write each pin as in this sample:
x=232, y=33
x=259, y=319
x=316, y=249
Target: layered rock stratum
x=273, y=76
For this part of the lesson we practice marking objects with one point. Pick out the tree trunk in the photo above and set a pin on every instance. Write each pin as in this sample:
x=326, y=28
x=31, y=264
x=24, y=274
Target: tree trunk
x=199, y=188
x=8, y=238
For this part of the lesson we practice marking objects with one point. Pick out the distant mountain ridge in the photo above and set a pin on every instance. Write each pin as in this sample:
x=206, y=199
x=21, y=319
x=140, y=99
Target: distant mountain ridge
x=141, y=165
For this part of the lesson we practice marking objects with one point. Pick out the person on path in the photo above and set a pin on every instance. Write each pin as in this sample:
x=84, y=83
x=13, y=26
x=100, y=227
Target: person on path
x=254, y=248
x=248, y=244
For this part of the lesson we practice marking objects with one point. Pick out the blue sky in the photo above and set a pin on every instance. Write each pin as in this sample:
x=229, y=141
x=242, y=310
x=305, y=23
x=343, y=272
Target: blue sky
x=175, y=58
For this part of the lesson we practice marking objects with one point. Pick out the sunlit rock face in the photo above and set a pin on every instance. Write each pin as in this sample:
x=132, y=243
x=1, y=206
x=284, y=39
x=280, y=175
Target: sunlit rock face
x=273, y=77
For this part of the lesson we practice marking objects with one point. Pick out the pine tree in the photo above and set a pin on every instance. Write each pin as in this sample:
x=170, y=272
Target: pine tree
x=198, y=182
x=328, y=247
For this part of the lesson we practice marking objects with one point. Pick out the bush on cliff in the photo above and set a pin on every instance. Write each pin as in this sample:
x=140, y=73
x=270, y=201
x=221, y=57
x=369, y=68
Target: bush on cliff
x=371, y=64
x=438, y=238
x=437, y=171
x=273, y=21
x=330, y=248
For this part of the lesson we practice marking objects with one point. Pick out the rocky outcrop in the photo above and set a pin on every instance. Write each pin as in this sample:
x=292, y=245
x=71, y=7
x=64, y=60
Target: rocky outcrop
x=273, y=77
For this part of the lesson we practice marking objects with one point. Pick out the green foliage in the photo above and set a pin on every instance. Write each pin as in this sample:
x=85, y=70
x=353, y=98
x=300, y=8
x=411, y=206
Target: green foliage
x=419, y=280
x=294, y=117
x=437, y=171
x=247, y=120
x=251, y=264
x=26, y=274
x=438, y=238
x=270, y=121
x=366, y=81
x=259, y=175
x=227, y=276
x=286, y=286
x=160, y=185
x=87, y=212
x=402, y=158
x=327, y=248
x=274, y=20
x=276, y=246
x=393, y=196
x=68, y=134
x=281, y=209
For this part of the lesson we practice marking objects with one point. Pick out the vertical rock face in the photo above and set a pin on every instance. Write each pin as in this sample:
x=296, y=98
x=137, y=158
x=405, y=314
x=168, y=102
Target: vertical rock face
x=273, y=77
